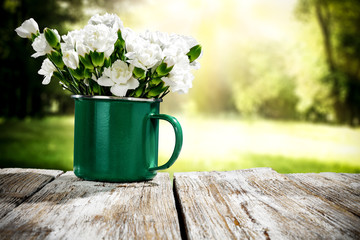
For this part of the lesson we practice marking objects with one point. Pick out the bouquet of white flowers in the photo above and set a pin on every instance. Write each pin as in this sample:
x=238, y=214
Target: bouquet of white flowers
x=104, y=58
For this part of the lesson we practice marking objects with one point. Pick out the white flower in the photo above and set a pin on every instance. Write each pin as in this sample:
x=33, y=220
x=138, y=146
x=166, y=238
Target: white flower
x=141, y=53
x=47, y=69
x=82, y=49
x=127, y=34
x=146, y=57
x=99, y=38
x=160, y=38
x=174, y=55
x=71, y=59
x=41, y=46
x=99, y=35
x=177, y=49
x=110, y=20
x=87, y=47
x=176, y=52
x=119, y=78
x=195, y=64
x=27, y=28
x=71, y=40
x=180, y=78
x=190, y=41
x=119, y=72
x=74, y=40
x=179, y=82
x=180, y=42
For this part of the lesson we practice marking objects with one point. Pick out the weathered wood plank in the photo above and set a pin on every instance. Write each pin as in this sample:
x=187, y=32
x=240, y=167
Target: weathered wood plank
x=69, y=208
x=258, y=204
x=342, y=189
x=18, y=184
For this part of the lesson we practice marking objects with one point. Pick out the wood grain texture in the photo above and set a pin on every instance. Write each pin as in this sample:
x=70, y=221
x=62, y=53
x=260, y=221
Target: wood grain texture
x=70, y=208
x=259, y=204
x=343, y=189
x=17, y=184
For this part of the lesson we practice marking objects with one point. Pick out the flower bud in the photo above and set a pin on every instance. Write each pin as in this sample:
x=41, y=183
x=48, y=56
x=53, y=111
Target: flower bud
x=56, y=58
x=107, y=62
x=52, y=37
x=194, y=53
x=86, y=61
x=28, y=29
x=139, y=73
x=120, y=42
x=162, y=70
x=97, y=58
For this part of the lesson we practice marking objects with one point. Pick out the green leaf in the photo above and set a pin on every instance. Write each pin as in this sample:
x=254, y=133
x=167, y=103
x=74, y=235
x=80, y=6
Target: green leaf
x=154, y=82
x=165, y=92
x=155, y=92
x=56, y=58
x=87, y=73
x=122, y=56
x=33, y=36
x=118, y=44
x=107, y=62
x=97, y=58
x=52, y=38
x=162, y=70
x=139, y=72
x=194, y=53
x=94, y=86
x=121, y=40
x=58, y=75
x=77, y=73
x=86, y=61
x=139, y=91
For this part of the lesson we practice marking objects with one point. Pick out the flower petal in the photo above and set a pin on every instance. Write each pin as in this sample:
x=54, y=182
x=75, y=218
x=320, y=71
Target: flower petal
x=46, y=80
x=37, y=54
x=27, y=28
x=132, y=83
x=119, y=90
x=105, y=81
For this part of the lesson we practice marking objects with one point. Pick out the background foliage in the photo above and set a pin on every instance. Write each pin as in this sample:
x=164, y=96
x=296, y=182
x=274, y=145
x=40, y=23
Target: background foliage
x=21, y=91
x=309, y=69
x=293, y=60
x=337, y=22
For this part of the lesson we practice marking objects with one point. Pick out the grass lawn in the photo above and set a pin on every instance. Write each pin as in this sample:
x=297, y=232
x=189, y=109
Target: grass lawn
x=209, y=145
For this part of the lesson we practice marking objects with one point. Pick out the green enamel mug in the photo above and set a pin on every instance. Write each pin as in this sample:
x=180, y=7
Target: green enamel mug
x=116, y=139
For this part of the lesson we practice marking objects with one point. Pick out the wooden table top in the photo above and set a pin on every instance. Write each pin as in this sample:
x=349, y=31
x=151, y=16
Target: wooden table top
x=243, y=204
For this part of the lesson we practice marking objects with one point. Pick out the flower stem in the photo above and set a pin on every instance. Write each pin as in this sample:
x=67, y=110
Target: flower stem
x=164, y=94
x=73, y=80
x=58, y=70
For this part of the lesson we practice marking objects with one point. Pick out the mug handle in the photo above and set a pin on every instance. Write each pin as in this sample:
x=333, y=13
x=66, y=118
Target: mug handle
x=178, y=139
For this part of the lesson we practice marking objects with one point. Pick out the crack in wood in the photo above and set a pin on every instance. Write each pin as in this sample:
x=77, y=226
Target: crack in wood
x=263, y=204
x=19, y=185
x=180, y=212
x=252, y=204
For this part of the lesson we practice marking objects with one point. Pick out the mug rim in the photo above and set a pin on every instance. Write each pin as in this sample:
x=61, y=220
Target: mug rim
x=102, y=97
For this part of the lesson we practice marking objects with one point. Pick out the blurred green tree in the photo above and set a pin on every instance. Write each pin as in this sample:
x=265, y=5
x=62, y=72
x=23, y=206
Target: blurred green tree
x=265, y=85
x=338, y=21
x=21, y=91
